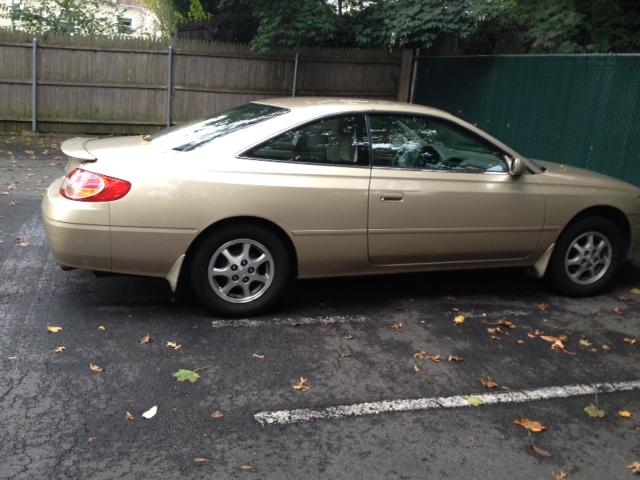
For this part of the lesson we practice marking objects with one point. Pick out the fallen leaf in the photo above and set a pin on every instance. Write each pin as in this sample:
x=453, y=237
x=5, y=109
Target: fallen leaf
x=541, y=451
x=488, y=382
x=634, y=467
x=560, y=475
x=257, y=356
x=536, y=333
x=246, y=468
x=102, y=328
x=506, y=323
x=625, y=414
x=146, y=339
x=495, y=330
x=328, y=323
x=59, y=349
x=455, y=358
x=531, y=425
x=52, y=329
x=549, y=338
x=630, y=341
x=183, y=375
x=543, y=307
x=217, y=414
x=345, y=355
x=417, y=368
x=594, y=411
x=606, y=347
x=458, y=320
x=128, y=416
x=422, y=355
x=520, y=341
x=348, y=337
x=95, y=368
x=584, y=342
x=475, y=401
x=200, y=460
x=174, y=345
x=395, y=325
x=302, y=385
x=557, y=343
x=151, y=412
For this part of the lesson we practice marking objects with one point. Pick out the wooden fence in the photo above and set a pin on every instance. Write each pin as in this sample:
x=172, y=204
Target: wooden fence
x=76, y=84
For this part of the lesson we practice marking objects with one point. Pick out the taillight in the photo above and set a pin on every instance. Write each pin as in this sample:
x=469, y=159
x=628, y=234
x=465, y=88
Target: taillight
x=88, y=186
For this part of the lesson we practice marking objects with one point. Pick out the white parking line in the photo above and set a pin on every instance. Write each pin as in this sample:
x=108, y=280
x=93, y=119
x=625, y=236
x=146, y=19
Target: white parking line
x=295, y=321
x=284, y=417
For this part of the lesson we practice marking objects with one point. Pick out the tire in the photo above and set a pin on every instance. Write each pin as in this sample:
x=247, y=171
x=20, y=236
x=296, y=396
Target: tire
x=243, y=285
x=573, y=253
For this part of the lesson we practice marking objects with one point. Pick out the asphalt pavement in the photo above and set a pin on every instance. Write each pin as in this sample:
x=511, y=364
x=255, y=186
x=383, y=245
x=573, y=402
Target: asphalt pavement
x=373, y=344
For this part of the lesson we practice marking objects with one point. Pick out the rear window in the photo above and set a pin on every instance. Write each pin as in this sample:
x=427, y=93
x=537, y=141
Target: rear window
x=188, y=136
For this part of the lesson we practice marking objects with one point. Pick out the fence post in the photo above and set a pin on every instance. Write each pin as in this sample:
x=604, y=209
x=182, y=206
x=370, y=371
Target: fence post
x=169, y=85
x=34, y=85
x=295, y=75
x=412, y=90
x=404, y=78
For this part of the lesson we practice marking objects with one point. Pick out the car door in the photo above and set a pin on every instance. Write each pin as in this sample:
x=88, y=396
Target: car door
x=314, y=182
x=440, y=193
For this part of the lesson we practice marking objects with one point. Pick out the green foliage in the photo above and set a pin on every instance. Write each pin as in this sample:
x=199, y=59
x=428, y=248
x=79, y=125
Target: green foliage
x=289, y=23
x=183, y=375
x=167, y=15
x=83, y=17
x=197, y=12
x=436, y=26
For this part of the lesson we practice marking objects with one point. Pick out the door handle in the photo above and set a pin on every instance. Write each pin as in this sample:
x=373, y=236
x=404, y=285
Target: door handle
x=391, y=197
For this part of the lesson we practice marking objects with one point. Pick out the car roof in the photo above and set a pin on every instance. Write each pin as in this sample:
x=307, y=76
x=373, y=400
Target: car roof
x=337, y=105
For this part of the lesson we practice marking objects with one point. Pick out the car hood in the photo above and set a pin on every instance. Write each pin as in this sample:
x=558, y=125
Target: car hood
x=561, y=173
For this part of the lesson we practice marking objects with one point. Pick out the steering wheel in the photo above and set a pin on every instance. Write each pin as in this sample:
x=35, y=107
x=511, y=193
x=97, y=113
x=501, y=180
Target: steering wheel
x=410, y=158
x=429, y=156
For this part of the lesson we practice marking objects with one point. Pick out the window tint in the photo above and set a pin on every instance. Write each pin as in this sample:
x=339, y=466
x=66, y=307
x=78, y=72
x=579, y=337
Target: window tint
x=416, y=142
x=197, y=132
x=331, y=141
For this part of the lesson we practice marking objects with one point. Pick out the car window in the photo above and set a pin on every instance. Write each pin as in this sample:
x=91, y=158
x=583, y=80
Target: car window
x=331, y=141
x=417, y=142
x=198, y=132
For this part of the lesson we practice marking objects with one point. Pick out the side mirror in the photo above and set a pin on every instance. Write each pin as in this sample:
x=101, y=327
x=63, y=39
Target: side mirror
x=517, y=167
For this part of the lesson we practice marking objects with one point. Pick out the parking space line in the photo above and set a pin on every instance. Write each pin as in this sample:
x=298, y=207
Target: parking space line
x=284, y=417
x=319, y=320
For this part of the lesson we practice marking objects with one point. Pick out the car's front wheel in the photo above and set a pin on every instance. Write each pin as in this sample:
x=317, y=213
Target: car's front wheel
x=240, y=270
x=586, y=257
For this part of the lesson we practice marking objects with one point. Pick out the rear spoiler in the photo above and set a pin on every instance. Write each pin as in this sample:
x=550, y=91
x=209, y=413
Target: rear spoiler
x=77, y=148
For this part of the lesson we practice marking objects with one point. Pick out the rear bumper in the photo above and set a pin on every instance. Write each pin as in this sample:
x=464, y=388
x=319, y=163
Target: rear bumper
x=80, y=236
x=79, y=246
x=77, y=232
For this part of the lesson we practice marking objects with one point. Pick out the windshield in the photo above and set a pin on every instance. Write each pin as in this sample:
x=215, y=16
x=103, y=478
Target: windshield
x=188, y=136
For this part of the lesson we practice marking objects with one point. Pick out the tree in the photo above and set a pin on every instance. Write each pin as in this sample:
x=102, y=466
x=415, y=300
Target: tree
x=166, y=14
x=84, y=17
x=288, y=23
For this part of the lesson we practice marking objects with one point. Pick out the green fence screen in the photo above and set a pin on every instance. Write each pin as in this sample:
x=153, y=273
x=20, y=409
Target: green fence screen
x=583, y=110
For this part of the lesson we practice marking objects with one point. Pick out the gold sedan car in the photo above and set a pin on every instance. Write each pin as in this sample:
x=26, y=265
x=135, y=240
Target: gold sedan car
x=237, y=204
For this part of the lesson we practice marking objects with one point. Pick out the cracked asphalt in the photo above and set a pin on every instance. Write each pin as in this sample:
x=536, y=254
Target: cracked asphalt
x=59, y=420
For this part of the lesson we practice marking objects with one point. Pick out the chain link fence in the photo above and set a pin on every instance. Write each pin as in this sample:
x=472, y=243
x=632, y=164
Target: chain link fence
x=582, y=110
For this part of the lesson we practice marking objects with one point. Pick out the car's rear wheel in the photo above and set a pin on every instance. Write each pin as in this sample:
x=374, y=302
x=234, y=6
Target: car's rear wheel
x=240, y=270
x=586, y=257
